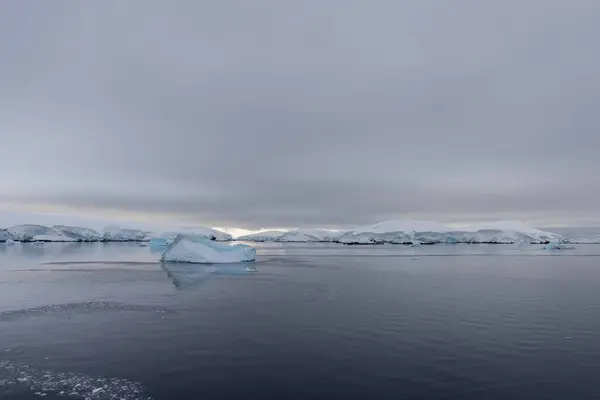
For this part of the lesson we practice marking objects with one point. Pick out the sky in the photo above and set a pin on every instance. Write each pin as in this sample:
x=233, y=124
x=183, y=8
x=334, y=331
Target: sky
x=284, y=113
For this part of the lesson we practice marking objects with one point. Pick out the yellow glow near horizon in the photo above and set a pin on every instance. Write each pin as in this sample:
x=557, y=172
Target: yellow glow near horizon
x=236, y=232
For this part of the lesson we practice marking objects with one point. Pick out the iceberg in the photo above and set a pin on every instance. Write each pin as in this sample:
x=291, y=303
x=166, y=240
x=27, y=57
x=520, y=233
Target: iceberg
x=36, y=233
x=558, y=246
x=198, y=249
x=158, y=243
x=79, y=234
x=116, y=234
x=5, y=236
x=267, y=236
x=10, y=242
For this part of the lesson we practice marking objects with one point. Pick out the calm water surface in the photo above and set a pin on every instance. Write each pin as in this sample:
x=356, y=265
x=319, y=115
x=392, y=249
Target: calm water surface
x=106, y=321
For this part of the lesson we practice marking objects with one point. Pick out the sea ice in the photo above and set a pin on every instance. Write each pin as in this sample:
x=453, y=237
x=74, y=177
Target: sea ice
x=199, y=249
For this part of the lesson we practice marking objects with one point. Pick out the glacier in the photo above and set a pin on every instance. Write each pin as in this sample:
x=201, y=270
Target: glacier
x=198, y=249
x=266, y=236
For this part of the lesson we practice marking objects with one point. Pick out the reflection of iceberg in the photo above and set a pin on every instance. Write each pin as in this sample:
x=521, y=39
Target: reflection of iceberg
x=199, y=249
x=33, y=249
x=187, y=275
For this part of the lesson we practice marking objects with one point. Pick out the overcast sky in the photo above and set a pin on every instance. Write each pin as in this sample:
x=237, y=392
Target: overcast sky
x=295, y=113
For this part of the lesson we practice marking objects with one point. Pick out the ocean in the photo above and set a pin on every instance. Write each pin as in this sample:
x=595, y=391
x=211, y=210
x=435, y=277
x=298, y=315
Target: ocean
x=306, y=321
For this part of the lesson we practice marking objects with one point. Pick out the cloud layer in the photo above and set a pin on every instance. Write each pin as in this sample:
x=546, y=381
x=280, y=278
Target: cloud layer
x=288, y=113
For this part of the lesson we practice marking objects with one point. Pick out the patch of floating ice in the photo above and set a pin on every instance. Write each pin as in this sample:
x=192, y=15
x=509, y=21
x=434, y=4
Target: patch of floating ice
x=70, y=308
x=69, y=384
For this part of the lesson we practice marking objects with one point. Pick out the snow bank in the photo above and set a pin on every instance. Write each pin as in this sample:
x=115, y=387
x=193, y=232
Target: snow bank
x=199, y=249
x=267, y=236
x=36, y=233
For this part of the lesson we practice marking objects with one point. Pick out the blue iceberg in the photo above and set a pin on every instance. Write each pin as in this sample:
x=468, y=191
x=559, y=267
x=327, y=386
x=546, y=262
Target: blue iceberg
x=199, y=249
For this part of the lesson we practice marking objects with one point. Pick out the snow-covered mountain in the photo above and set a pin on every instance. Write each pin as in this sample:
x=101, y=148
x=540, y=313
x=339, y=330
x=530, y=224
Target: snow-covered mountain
x=64, y=233
x=394, y=231
x=430, y=232
x=117, y=234
x=311, y=235
x=79, y=234
x=267, y=236
x=36, y=233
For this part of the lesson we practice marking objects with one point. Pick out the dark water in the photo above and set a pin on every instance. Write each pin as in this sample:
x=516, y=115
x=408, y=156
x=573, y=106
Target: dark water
x=312, y=322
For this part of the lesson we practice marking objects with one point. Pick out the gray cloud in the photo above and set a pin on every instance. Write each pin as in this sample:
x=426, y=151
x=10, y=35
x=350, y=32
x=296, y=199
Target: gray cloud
x=287, y=113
